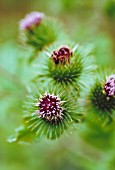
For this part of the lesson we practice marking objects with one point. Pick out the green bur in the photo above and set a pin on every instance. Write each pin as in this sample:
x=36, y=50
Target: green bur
x=70, y=76
x=42, y=35
x=101, y=107
x=103, y=103
x=35, y=126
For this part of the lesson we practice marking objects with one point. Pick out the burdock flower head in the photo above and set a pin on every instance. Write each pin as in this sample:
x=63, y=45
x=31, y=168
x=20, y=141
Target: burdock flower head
x=102, y=100
x=67, y=64
x=50, y=107
x=30, y=20
x=50, y=112
x=110, y=86
x=40, y=31
x=62, y=56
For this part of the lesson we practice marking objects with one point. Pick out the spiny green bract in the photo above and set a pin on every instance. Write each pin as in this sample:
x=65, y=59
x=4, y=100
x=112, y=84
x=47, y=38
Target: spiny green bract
x=69, y=76
x=43, y=35
x=101, y=106
x=38, y=119
x=101, y=101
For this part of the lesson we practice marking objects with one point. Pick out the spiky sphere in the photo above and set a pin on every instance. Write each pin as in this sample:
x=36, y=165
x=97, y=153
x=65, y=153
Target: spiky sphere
x=62, y=55
x=66, y=64
x=110, y=86
x=50, y=107
x=48, y=112
x=101, y=101
x=30, y=20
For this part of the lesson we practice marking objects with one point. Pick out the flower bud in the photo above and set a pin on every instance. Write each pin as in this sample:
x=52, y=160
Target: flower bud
x=62, y=55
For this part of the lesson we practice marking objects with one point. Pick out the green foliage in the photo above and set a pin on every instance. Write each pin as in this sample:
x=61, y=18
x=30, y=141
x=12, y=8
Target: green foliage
x=23, y=135
x=110, y=9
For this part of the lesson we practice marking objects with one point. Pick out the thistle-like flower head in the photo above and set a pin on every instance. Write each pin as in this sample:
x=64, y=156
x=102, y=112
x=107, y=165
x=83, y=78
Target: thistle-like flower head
x=102, y=100
x=30, y=20
x=49, y=112
x=66, y=64
x=110, y=86
x=39, y=31
x=50, y=107
x=62, y=55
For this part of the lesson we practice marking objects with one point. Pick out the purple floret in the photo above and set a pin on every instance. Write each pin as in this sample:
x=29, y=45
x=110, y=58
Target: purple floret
x=31, y=19
x=50, y=107
x=62, y=56
x=110, y=85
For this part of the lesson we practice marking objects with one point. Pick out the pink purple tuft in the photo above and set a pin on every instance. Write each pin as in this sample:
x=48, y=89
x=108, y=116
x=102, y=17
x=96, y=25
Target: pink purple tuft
x=50, y=107
x=110, y=85
x=30, y=20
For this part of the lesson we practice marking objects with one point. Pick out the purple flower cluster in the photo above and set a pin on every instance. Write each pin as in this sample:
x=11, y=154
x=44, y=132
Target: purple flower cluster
x=50, y=107
x=30, y=20
x=110, y=85
x=62, y=55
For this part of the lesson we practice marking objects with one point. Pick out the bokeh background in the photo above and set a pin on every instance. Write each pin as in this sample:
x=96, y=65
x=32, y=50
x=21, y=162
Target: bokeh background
x=86, y=21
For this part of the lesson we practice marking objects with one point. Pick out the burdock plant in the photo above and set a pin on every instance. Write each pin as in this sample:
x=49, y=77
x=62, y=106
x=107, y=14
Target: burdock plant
x=61, y=69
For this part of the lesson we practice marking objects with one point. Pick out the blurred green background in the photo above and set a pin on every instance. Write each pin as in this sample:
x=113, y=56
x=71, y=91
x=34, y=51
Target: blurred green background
x=86, y=21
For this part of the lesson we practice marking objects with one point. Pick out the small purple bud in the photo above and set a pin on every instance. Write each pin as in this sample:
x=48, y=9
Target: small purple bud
x=30, y=20
x=62, y=55
x=50, y=107
x=110, y=85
